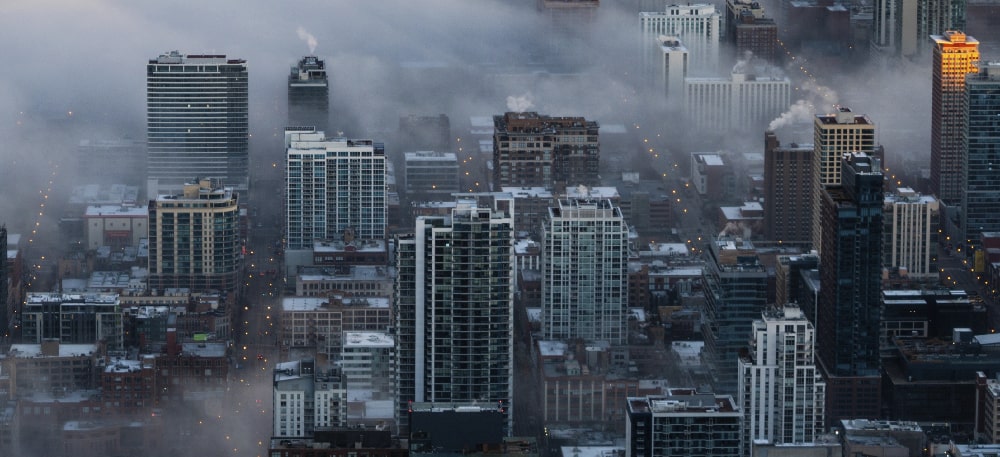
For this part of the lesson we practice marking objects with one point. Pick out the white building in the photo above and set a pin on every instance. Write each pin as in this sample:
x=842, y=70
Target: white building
x=697, y=25
x=781, y=392
x=333, y=186
x=368, y=363
x=746, y=101
x=911, y=232
x=673, y=67
x=305, y=398
x=585, y=272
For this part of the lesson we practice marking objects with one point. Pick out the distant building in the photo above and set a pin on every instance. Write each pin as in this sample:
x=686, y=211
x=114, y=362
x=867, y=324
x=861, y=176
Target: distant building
x=194, y=238
x=750, y=98
x=753, y=33
x=431, y=173
x=73, y=319
x=454, y=306
x=833, y=136
x=354, y=280
x=932, y=313
x=697, y=25
x=117, y=227
x=661, y=425
x=532, y=205
x=712, y=177
x=368, y=364
x=981, y=188
x=865, y=437
x=584, y=272
x=128, y=387
x=114, y=159
x=537, y=150
x=306, y=398
x=782, y=393
x=321, y=322
x=848, y=315
x=425, y=133
x=911, y=234
x=197, y=121
x=673, y=67
x=67, y=367
x=901, y=27
x=788, y=191
x=309, y=94
x=955, y=56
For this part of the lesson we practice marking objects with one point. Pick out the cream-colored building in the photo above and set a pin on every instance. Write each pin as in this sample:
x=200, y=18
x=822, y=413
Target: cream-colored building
x=194, y=238
x=115, y=226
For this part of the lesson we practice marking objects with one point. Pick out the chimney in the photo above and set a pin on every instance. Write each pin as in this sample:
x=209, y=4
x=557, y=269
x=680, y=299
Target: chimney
x=173, y=347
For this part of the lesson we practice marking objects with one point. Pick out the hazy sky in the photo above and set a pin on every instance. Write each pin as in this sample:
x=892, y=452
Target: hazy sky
x=385, y=59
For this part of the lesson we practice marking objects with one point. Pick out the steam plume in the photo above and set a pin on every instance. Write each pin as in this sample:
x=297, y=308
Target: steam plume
x=804, y=108
x=308, y=38
x=520, y=103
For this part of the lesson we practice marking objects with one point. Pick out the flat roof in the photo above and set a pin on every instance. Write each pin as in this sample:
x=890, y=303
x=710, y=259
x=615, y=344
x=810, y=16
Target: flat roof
x=65, y=350
x=367, y=339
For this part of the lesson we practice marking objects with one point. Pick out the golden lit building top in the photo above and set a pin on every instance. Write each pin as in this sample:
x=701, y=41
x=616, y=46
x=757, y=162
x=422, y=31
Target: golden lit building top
x=955, y=56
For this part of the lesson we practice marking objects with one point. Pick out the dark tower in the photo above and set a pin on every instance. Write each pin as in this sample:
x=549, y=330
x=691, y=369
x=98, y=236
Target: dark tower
x=309, y=95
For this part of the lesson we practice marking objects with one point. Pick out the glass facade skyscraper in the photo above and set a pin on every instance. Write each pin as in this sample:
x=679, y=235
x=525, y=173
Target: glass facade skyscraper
x=196, y=121
x=982, y=141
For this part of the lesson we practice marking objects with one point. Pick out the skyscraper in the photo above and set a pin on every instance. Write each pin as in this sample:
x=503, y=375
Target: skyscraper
x=333, y=186
x=849, y=309
x=782, y=393
x=955, y=56
x=536, y=150
x=833, y=136
x=982, y=141
x=788, y=191
x=196, y=121
x=454, y=306
x=194, y=238
x=697, y=25
x=309, y=94
x=901, y=27
x=911, y=234
x=735, y=283
x=584, y=272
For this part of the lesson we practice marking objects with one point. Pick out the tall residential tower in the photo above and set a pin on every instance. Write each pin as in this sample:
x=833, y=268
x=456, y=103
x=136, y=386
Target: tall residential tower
x=981, y=189
x=309, y=94
x=454, y=306
x=585, y=272
x=196, y=121
x=955, y=55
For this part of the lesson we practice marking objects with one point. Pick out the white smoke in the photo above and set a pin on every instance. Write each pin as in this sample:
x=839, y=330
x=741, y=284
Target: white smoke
x=803, y=109
x=308, y=38
x=520, y=103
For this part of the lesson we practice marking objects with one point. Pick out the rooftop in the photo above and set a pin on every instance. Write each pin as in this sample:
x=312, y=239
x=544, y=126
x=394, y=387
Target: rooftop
x=367, y=339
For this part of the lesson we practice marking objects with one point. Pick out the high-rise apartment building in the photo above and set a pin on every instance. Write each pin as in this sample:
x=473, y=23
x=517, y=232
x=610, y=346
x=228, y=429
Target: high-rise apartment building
x=194, y=238
x=306, y=397
x=333, y=186
x=196, y=121
x=536, y=150
x=454, y=306
x=368, y=361
x=684, y=422
x=788, y=191
x=751, y=30
x=901, y=27
x=849, y=311
x=911, y=234
x=673, y=66
x=747, y=100
x=782, y=394
x=955, y=56
x=735, y=283
x=697, y=25
x=981, y=189
x=309, y=94
x=585, y=272
x=833, y=136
